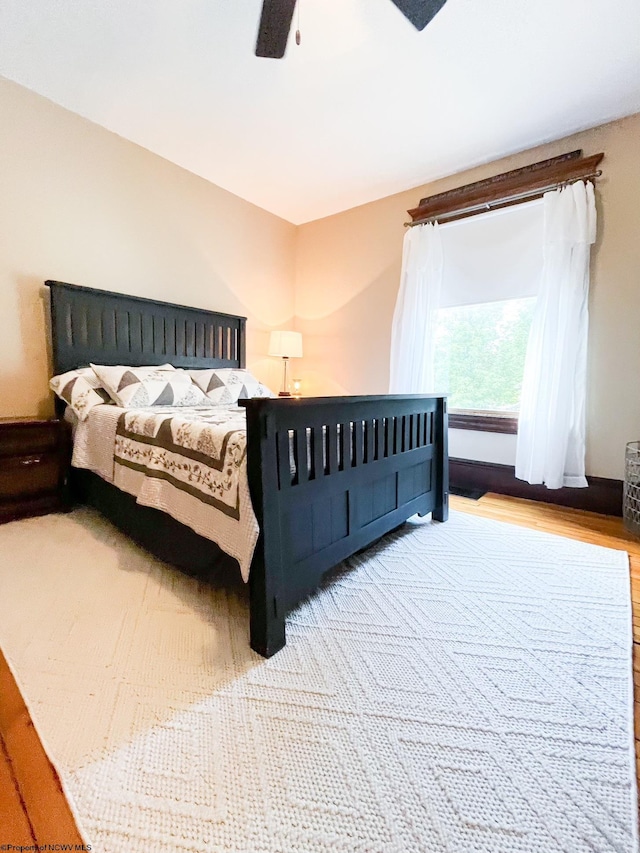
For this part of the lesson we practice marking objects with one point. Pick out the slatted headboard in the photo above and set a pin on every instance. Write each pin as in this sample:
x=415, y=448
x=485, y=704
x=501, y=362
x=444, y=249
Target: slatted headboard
x=99, y=326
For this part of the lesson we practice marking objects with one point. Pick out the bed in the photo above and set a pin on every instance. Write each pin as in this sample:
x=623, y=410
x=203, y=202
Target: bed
x=327, y=476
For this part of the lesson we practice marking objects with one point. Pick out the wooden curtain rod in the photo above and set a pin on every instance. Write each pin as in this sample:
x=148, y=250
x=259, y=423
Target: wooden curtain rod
x=526, y=183
x=464, y=212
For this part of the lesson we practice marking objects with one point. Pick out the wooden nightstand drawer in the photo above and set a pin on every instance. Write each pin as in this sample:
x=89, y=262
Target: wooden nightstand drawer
x=21, y=476
x=34, y=460
x=21, y=439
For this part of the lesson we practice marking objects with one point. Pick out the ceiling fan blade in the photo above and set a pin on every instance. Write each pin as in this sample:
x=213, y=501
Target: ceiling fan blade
x=419, y=12
x=275, y=23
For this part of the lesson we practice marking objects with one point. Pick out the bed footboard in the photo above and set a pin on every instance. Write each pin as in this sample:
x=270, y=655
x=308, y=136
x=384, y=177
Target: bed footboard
x=328, y=476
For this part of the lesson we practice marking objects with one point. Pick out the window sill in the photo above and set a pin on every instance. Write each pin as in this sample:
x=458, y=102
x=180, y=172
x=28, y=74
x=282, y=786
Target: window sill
x=483, y=422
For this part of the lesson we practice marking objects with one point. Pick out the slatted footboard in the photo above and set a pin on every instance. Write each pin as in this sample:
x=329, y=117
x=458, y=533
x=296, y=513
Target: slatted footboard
x=328, y=476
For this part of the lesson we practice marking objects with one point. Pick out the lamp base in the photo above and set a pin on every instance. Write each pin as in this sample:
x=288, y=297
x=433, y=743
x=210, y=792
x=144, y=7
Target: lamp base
x=284, y=394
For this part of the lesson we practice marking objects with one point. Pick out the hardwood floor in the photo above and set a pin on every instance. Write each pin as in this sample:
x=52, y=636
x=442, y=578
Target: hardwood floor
x=33, y=809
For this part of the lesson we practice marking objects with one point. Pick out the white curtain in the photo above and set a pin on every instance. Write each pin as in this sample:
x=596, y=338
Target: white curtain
x=551, y=431
x=414, y=319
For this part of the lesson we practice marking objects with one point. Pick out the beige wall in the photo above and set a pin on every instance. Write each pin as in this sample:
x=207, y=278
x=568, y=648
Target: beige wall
x=80, y=204
x=348, y=269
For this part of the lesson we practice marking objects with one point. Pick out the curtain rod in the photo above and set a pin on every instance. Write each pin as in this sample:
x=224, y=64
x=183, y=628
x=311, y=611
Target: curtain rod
x=505, y=202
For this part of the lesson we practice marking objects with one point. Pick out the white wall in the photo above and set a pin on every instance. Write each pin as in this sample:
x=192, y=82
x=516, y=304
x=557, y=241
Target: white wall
x=483, y=446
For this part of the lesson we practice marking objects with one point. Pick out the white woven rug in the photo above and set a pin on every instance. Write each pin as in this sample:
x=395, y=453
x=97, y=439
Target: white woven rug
x=463, y=687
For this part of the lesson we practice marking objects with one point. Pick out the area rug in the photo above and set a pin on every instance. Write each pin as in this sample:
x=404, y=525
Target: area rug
x=458, y=687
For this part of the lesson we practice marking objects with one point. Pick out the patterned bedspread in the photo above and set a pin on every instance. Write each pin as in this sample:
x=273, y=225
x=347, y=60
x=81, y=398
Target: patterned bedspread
x=187, y=462
x=200, y=452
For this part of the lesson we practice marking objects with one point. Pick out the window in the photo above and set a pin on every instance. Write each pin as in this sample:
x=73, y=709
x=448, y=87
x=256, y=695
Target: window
x=480, y=351
x=492, y=268
x=486, y=269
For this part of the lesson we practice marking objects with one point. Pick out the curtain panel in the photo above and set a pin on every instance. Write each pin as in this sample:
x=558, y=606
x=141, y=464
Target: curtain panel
x=414, y=319
x=551, y=431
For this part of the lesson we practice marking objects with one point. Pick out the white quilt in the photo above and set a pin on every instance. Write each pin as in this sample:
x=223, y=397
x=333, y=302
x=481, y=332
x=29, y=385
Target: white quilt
x=189, y=463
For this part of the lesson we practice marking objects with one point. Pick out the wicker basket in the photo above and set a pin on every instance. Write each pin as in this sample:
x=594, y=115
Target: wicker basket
x=631, y=497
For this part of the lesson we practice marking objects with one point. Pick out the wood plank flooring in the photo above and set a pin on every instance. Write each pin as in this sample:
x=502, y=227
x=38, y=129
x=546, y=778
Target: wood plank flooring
x=33, y=809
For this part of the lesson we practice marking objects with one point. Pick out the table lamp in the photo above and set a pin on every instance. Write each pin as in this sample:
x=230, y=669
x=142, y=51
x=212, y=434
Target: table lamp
x=286, y=345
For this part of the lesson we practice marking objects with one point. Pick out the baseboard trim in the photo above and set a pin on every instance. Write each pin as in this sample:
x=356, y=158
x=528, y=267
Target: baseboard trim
x=601, y=495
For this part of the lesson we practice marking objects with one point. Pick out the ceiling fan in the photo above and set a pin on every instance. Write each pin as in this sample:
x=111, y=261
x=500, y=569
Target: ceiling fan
x=275, y=22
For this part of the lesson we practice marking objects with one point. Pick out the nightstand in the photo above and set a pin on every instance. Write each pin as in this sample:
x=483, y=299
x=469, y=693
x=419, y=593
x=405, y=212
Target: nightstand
x=34, y=464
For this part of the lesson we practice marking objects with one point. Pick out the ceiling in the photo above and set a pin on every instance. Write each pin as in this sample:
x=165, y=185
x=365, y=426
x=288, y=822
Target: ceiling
x=365, y=107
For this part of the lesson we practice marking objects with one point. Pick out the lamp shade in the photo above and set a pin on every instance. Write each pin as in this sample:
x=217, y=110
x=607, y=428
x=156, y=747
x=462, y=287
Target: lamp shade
x=286, y=344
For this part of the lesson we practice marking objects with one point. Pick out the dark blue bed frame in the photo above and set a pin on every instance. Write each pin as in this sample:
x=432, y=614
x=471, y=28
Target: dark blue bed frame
x=363, y=465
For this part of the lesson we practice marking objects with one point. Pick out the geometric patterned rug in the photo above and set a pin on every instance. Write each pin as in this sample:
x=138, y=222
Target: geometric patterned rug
x=457, y=687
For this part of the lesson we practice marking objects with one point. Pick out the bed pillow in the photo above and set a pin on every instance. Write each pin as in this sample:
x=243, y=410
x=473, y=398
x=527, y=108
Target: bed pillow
x=135, y=387
x=227, y=385
x=81, y=390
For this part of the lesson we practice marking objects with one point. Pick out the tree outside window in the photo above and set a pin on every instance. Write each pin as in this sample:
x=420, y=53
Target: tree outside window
x=480, y=353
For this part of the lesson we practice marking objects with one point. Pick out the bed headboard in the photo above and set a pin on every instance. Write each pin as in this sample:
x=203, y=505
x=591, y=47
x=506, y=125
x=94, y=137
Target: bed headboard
x=99, y=326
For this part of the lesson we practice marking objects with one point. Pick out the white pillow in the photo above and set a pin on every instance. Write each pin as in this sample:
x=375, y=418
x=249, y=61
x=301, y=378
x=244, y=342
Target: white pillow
x=136, y=387
x=81, y=389
x=227, y=385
